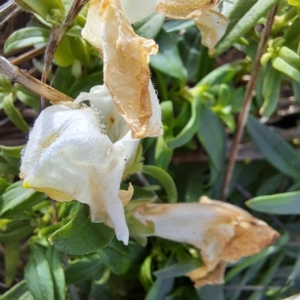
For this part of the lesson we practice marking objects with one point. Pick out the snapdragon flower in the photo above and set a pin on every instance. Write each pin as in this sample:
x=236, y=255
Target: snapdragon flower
x=80, y=152
x=205, y=14
x=126, y=71
x=222, y=232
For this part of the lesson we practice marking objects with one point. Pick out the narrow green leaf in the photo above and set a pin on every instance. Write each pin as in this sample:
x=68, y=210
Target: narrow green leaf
x=270, y=91
x=27, y=97
x=13, y=113
x=15, y=292
x=212, y=136
x=215, y=292
x=245, y=23
x=11, y=260
x=12, y=151
x=3, y=185
x=282, y=204
x=84, y=268
x=64, y=54
x=119, y=258
x=190, y=129
x=38, y=275
x=16, y=199
x=165, y=179
x=179, y=269
x=161, y=288
x=295, y=275
x=16, y=231
x=80, y=236
x=168, y=60
x=57, y=273
x=26, y=37
x=275, y=150
x=284, y=67
x=267, y=277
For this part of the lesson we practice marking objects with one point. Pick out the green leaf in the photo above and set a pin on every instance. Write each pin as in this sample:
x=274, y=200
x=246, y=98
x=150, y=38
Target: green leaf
x=52, y=11
x=64, y=54
x=118, y=257
x=163, y=153
x=192, y=126
x=12, y=151
x=3, y=185
x=246, y=18
x=295, y=275
x=63, y=79
x=11, y=260
x=275, y=150
x=15, y=231
x=150, y=26
x=16, y=199
x=80, y=236
x=284, y=67
x=85, y=83
x=84, y=268
x=179, y=269
x=13, y=113
x=161, y=288
x=212, y=136
x=165, y=179
x=15, y=292
x=270, y=91
x=57, y=273
x=26, y=37
x=168, y=60
x=38, y=275
x=80, y=50
x=215, y=292
x=223, y=74
x=282, y=204
x=27, y=97
x=267, y=277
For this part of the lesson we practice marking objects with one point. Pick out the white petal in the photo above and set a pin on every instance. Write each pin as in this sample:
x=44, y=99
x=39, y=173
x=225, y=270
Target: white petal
x=68, y=157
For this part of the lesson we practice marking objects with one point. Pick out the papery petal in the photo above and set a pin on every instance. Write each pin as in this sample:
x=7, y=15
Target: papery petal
x=116, y=127
x=188, y=9
x=69, y=157
x=126, y=58
x=223, y=232
x=212, y=25
x=137, y=10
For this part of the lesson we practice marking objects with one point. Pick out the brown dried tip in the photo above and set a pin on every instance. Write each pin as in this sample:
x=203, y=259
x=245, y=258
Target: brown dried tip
x=222, y=232
x=205, y=13
x=126, y=57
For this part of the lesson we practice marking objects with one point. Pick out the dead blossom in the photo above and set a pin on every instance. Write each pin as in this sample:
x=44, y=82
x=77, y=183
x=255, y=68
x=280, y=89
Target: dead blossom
x=126, y=70
x=222, y=232
x=80, y=152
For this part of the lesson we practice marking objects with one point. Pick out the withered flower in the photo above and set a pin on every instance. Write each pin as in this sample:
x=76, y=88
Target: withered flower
x=223, y=232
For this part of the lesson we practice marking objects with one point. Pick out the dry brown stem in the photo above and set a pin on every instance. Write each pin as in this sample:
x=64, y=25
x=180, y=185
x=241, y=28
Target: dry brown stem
x=243, y=116
x=55, y=38
x=15, y=75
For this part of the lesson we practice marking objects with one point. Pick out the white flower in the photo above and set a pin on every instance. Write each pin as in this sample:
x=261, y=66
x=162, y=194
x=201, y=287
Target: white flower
x=205, y=13
x=80, y=152
x=126, y=72
x=223, y=232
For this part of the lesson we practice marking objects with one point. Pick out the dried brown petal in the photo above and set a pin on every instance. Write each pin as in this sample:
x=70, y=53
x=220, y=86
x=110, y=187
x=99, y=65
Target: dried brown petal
x=126, y=57
x=221, y=231
x=212, y=25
